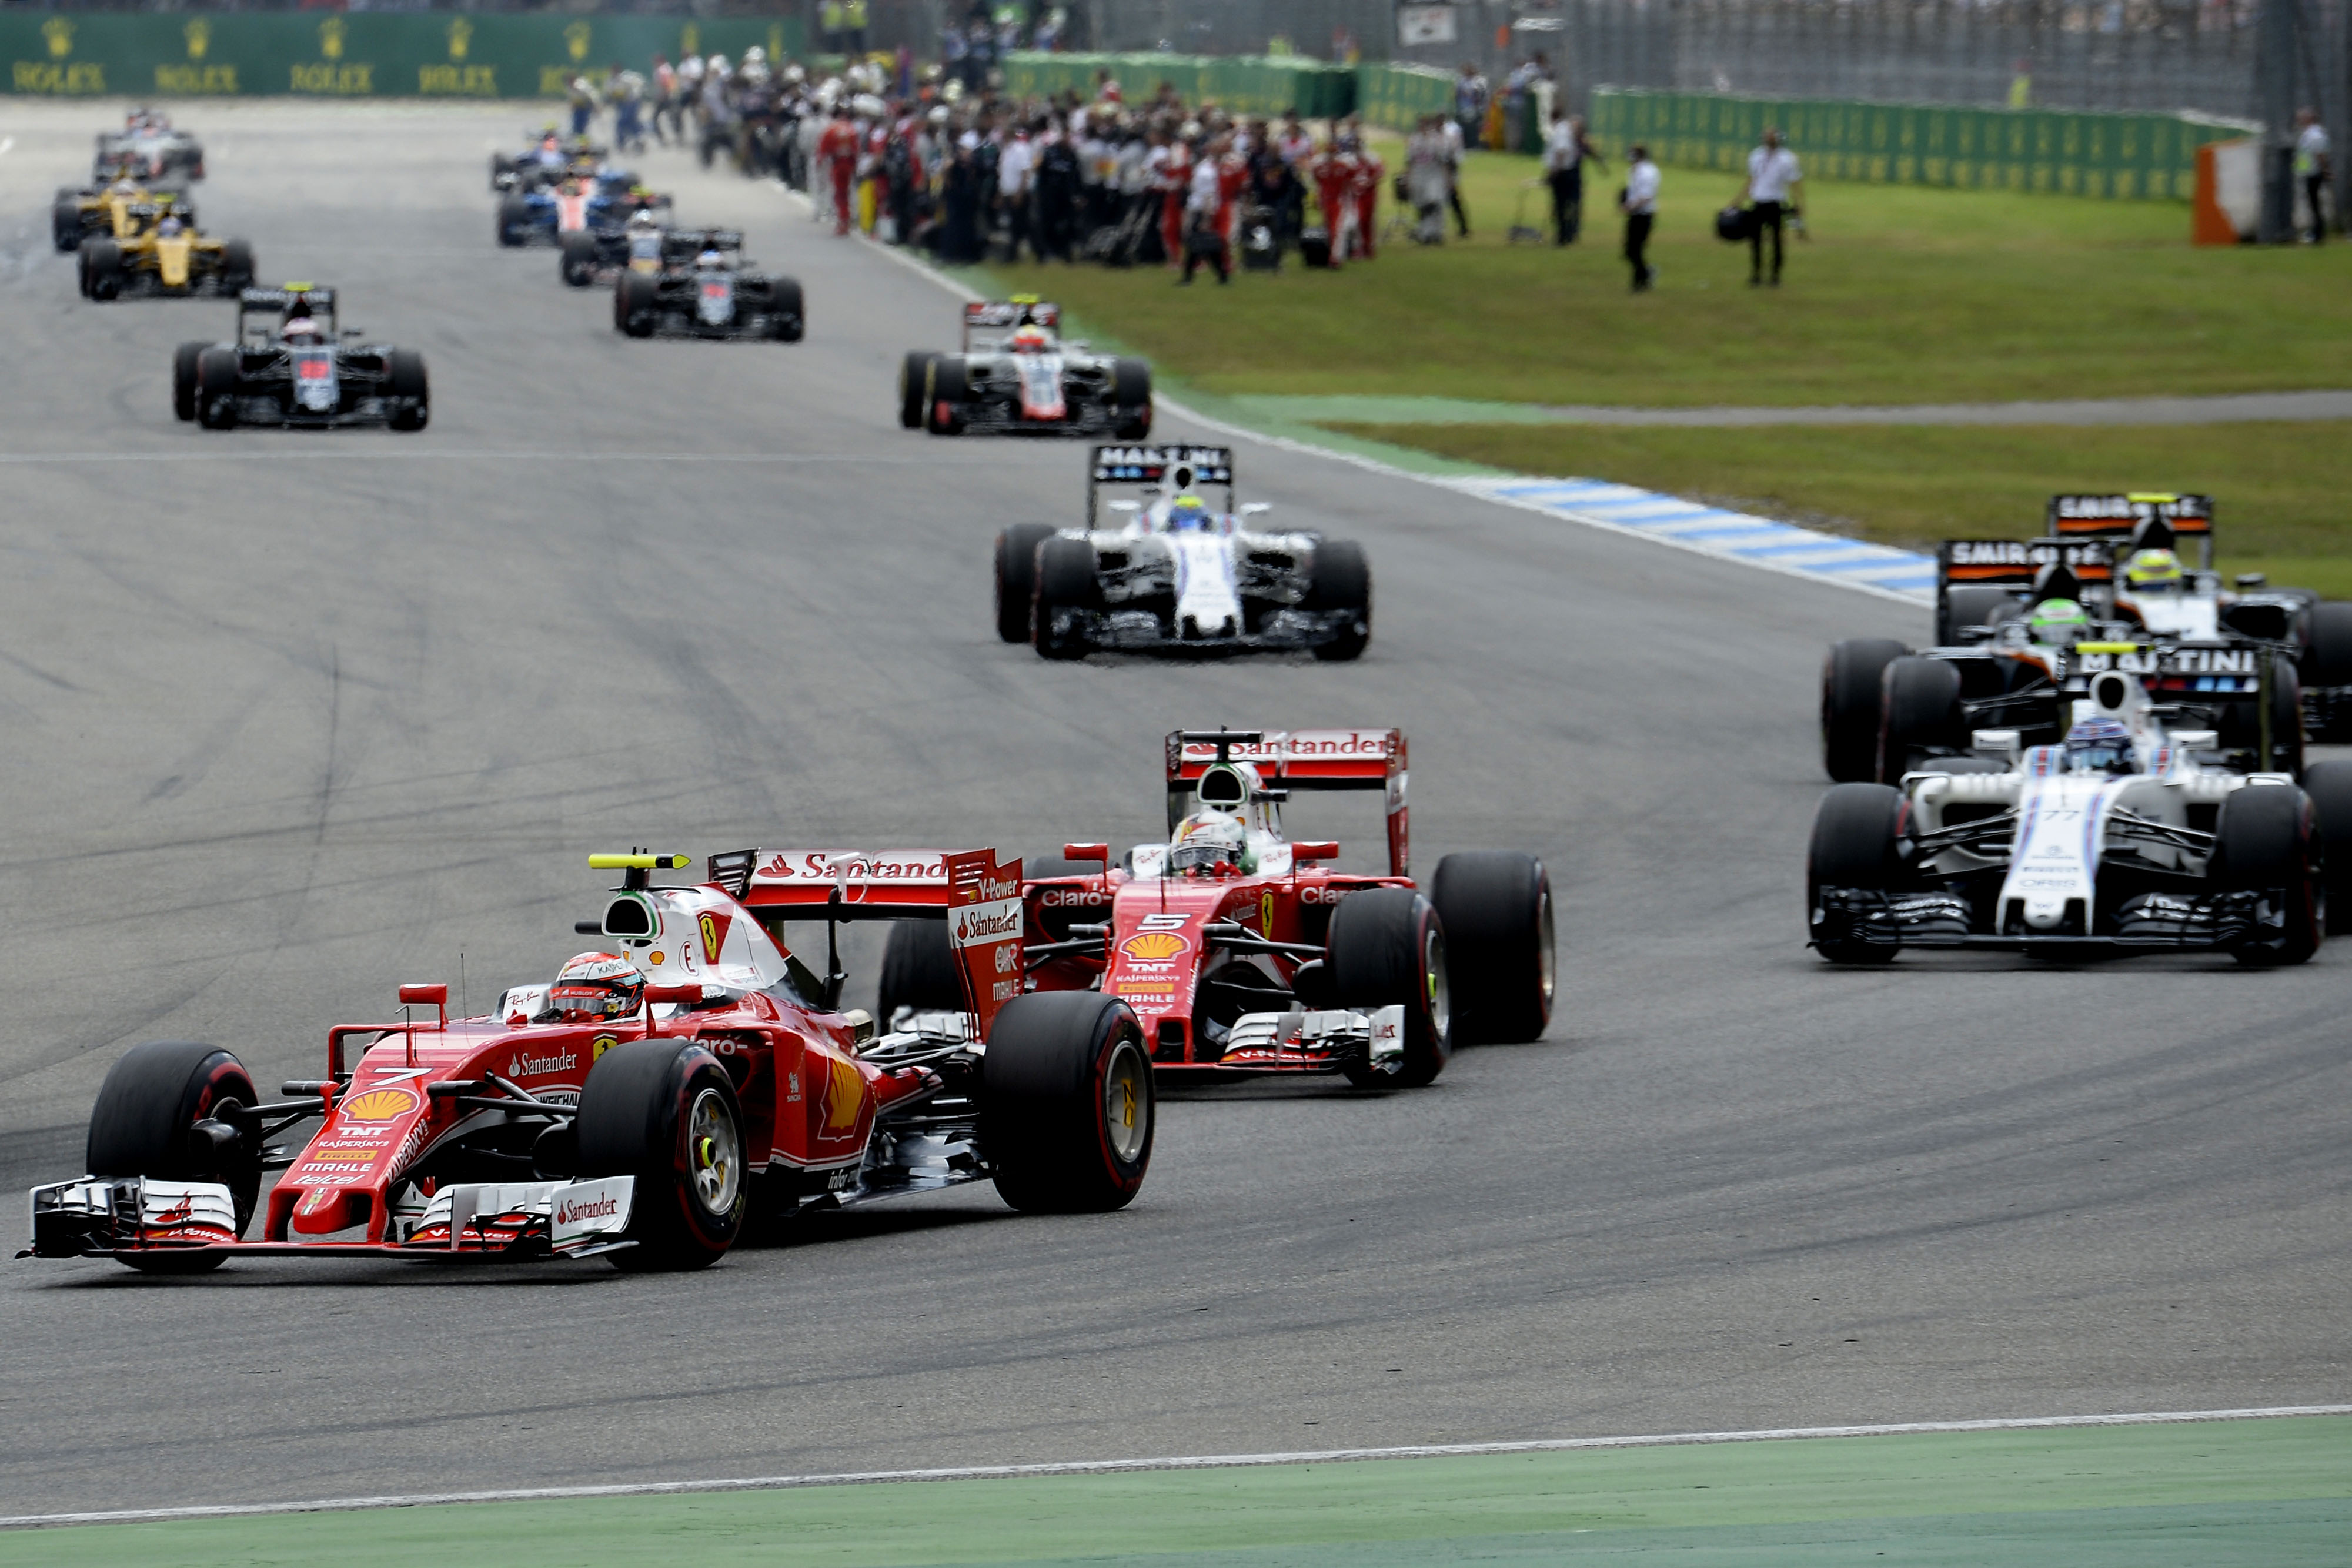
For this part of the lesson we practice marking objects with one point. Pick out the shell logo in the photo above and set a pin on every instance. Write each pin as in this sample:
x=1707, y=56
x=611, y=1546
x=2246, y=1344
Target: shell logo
x=845, y=1097
x=1154, y=945
x=378, y=1105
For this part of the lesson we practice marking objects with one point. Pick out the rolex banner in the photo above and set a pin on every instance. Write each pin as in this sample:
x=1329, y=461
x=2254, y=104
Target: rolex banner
x=362, y=54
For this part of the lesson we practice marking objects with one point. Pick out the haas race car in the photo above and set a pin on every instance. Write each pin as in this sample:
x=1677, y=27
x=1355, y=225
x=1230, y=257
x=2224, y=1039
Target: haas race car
x=642, y=1106
x=1016, y=376
x=1179, y=575
x=147, y=148
x=1244, y=952
x=289, y=365
x=2126, y=836
x=694, y=283
x=2109, y=569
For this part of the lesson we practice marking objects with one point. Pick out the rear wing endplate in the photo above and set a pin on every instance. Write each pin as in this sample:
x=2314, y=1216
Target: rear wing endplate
x=1303, y=759
x=2139, y=521
x=1157, y=468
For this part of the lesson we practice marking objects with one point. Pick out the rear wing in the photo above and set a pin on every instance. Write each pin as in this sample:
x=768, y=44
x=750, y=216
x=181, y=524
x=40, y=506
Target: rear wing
x=2045, y=568
x=685, y=244
x=2140, y=520
x=1302, y=759
x=276, y=300
x=1157, y=468
x=987, y=323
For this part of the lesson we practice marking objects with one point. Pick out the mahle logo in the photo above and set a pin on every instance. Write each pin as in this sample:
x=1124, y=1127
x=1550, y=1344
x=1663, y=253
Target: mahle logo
x=200, y=37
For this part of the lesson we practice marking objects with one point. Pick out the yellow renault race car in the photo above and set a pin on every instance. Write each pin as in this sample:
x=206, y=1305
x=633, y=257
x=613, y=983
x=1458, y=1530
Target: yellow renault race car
x=154, y=250
x=99, y=211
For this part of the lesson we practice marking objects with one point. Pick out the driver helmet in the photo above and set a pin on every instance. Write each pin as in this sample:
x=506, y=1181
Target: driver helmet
x=643, y=222
x=595, y=987
x=2100, y=745
x=2154, y=572
x=170, y=227
x=1208, y=841
x=1031, y=340
x=709, y=258
x=2059, y=623
x=1188, y=514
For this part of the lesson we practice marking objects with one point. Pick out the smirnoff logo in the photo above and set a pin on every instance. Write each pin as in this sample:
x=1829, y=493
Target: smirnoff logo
x=523, y=1066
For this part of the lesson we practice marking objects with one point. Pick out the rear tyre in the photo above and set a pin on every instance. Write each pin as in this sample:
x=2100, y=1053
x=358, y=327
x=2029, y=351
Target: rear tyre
x=1341, y=579
x=634, y=301
x=2268, y=843
x=145, y=1125
x=577, y=264
x=2326, y=666
x=791, y=315
x=1854, y=846
x=914, y=371
x=1130, y=393
x=237, y=267
x=216, y=376
x=1967, y=607
x=1066, y=589
x=1066, y=1111
x=1016, y=577
x=945, y=387
x=1851, y=678
x=664, y=1112
x=1919, y=709
x=1495, y=908
x=2329, y=785
x=184, y=379
x=2242, y=725
x=1386, y=947
x=919, y=971
x=412, y=396
x=64, y=225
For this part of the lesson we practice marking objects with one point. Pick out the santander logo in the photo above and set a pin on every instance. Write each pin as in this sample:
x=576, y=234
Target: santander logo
x=572, y=1211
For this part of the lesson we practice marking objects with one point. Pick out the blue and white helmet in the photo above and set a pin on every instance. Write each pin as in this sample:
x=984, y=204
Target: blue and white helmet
x=2100, y=745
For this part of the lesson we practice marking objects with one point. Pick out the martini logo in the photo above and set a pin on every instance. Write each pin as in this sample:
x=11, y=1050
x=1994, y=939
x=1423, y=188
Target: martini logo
x=378, y=1105
x=1154, y=945
x=714, y=933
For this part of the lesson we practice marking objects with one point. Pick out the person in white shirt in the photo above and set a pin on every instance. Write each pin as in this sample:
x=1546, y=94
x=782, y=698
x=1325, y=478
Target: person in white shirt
x=2312, y=166
x=1774, y=181
x=1202, y=204
x=1566, y=153
x=1640, y=204
x=1014, y=168
x=1453, y=129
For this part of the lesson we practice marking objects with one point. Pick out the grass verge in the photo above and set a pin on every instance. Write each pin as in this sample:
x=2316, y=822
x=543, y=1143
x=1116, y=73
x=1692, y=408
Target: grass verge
x=2282, y=489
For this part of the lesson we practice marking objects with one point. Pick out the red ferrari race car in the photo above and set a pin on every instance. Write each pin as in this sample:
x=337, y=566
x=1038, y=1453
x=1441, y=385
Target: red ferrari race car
x=1242, y=951
x=644, y=1103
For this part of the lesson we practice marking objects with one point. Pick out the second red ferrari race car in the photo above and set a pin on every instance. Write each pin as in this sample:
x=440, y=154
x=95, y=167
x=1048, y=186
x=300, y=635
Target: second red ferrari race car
x=643, y=1105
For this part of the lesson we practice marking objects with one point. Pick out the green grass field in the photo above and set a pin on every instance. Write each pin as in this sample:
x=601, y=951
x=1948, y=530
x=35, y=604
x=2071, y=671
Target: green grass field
x=2284, y=491
x=1904, y=295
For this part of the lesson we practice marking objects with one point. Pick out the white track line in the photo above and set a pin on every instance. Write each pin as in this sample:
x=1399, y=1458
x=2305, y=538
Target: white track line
x=1919, y=568
x=1130, y=1467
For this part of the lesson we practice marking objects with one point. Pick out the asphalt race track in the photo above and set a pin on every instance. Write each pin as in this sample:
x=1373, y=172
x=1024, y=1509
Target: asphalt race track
x=293, y=719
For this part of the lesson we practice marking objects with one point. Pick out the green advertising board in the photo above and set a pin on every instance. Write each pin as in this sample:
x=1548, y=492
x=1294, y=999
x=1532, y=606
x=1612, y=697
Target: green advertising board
x=354, y=55
x=2081, y=154
x=1399, y=97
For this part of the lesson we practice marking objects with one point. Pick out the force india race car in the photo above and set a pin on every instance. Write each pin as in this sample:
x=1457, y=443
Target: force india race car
x=641, y=1108
x=2114, y=557
x=289, y=365
x=1016, y=377
x=1242, y=951
x=2124, y=837
x=702, y=287
x=96, y=212
x=1180, y=575
x=155, y=250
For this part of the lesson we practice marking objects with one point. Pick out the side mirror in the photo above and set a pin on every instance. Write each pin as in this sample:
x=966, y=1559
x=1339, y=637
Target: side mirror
x=1100, y=852
x=1124, y=506
x=861, y=1025
x=1314, y=850
x=1252, y=508
x=686, y=994
x=425, y=995
x=2252, y=580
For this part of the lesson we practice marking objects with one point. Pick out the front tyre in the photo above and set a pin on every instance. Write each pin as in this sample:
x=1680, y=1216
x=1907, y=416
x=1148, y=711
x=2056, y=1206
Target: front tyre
x=914, y=371
x=1855, y=833
x=216, y=388
x=946, y=385
x=2268, y=843
x=411, y=395
x=1130, y=396
x=184, y=379
x=1067, y=1106
x=169, y=1110
x=577, y=264
x=791, y=311
x=1341, y=583
x=1068, y=590
x=1495, y=908
x=1016, y=576
x=1386, y=947
x=664, y=1112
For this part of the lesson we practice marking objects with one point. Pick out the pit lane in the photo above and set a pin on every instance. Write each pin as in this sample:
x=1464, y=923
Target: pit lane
x=296, y=718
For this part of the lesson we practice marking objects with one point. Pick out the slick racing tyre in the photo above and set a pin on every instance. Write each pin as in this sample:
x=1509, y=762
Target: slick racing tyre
x=1016, y=576
x=1919, y=710
x=664, y=1112
x=1068, y=590
x=914, y=372
x=1851, y=678
x=169, y=1109
x=2268, y=843
x=2329, y=785
x=1854, y=846
x=1066, y=1110
x=789, y=314
x=216, y=373
x=405, y=382
x=1130, y=395
x=501, y=166
x=1495, y=907
x=2326, y=666
x=513, y=220
x=2241, y=724
x=945, y=387
x=237, y=267
x=101, y=266
x=1386, y=947
x=1966, y=608
x=1341, y=579
x=576, y=264
x=64, y=225
x=635, y=301
x=184, y=379
x=919, y=972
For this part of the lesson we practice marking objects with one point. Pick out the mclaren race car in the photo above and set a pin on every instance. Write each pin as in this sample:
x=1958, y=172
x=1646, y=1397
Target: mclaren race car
x=2112, y=563
x=154, y=250
x=1246, y=952
x=1178, y=574
x=147, y=148
x=2123, y=836
x=96, y=211
x=643, y=1107
x=289, y=365
x=703, y=287
x=599, y=201
x=1016, y=376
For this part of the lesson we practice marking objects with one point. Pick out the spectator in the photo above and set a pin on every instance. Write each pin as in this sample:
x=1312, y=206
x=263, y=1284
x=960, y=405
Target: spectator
x=627, y=91
x=1057, y=194
x=665, y=97
x=1274, y=191
x=838, y=151
x=1452, y=129
x=1640, y=206
x=1470, y=103
x=1428, y=176
x=2313, y=167
x=582, y=100
x=853, y=27
x=1014, y=169
x=1566, y=151
x=1773, y=178
x=1203, y=241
